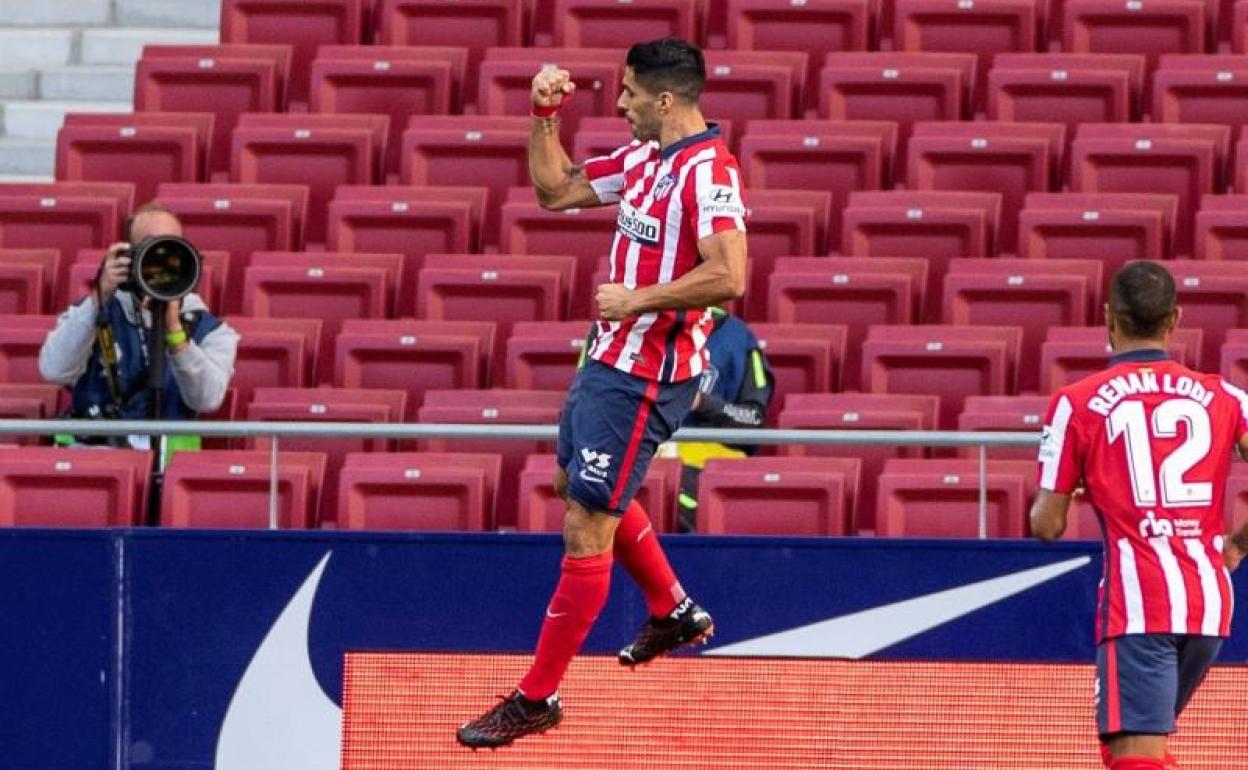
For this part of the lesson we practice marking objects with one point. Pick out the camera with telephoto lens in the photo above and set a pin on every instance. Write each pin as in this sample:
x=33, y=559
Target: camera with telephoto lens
x=165, y=268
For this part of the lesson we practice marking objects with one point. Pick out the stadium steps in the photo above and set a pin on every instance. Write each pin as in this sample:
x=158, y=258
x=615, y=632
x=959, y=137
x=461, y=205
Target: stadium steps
x=61, y=56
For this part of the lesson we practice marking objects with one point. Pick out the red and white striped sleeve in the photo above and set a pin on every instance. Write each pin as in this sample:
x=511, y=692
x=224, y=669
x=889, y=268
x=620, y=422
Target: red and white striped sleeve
x=1061, y=457
x=606, y=173
x=717, y=204
x=1241, y=410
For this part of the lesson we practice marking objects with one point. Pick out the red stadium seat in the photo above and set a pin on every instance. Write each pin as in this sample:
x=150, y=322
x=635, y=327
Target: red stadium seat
x=21, y=288
x=825, y=156
x=804, y=358
x=301, y=24
x=1236, y=505
x=48, y=263
x=472, y=24
x=226, y=80
x=860, y=411
x=331, y=287
x=415, y=356
x=937, y=226
x=1234, y=359
x=469, y=150
x=753, y=85
x=391, y=86
x=201, y=123
x=952, y=362
x=1065, y=88
x=58, y=487
x=782, y=223
x=216, y=489
x=1239, y=27
x=143, y=154
x=1033, y=294
x=381, y=57
x=412, y=221
x=20, y=401
x=541, y=510
x=327, y=405
x=499, y=289
x=1201, y=89
x=505, y=80
x=1003, y=413
x=940, y=498
x=901, y=87
x=778, y=496
x=61, y=218
x=1071, y=353
x=604, y=23
x=858, y=293
x=1222, y=227
x=21, y=337
x=231, y=194
x=1182, y=160
x=275, y=352
x=986, y=29
x=815, y=26
x=544, y=356
x=527, y=228
x=320, y=151
x=418, y=491
x=1214, y=298
x=1011, y=158
x=1113, y=236
x=487, y=407
x=1150, y=28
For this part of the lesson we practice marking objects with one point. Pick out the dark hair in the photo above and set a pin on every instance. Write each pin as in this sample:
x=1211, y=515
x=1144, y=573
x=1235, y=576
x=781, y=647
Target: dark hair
x=1142, y=297
x=669, y=64
x=147, y=208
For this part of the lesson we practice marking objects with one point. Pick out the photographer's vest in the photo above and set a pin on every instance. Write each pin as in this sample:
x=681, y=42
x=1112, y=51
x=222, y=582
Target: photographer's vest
x=90, y=394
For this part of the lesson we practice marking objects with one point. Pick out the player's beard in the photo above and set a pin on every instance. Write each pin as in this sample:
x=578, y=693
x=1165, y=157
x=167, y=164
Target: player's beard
x=645, y=129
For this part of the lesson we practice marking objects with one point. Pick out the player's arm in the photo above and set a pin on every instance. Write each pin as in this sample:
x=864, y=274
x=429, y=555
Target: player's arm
x=1060, y=470
x=558, y=183
x=718, y=278
x=1048, y=515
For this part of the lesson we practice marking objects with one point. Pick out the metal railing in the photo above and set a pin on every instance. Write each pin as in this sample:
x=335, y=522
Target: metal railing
x=275, y=431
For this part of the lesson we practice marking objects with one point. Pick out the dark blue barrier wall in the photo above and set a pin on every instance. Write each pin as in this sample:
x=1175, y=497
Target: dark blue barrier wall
x=197, y=606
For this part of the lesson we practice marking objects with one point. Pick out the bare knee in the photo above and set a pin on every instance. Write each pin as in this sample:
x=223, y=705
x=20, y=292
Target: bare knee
x=587, y=533
x=1138, y=746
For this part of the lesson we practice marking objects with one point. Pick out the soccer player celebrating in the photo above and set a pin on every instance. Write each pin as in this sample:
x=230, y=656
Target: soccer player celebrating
x=1150, y=441
x=679, y=248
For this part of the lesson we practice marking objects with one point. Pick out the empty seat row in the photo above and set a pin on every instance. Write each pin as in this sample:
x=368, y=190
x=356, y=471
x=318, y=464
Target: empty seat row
x=433, y=490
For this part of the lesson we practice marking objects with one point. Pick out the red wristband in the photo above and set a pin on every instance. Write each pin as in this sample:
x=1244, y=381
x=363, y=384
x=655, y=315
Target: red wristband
x=545, y=112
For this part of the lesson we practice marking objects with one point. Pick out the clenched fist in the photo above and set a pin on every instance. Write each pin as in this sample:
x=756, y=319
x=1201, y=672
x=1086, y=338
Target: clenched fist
x=552, y=86
x=615, y=301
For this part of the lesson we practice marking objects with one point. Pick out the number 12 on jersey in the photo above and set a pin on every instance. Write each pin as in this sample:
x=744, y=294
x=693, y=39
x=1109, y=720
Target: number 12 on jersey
x=1129, y=422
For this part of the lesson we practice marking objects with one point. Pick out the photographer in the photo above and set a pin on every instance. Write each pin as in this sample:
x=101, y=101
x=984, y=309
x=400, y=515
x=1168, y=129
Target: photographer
x=200, y=349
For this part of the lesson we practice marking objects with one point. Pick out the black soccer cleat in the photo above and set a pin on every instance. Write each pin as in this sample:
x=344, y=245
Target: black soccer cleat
x=688, y=624
x=514, y=716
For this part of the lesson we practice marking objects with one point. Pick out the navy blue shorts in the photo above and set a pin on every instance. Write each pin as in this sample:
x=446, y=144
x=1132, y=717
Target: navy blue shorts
x=611, y=425
x=1143, y=681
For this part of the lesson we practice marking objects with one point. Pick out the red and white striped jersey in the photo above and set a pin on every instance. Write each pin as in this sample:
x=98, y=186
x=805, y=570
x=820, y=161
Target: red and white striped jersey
x=1151, y=442
x=668, y=200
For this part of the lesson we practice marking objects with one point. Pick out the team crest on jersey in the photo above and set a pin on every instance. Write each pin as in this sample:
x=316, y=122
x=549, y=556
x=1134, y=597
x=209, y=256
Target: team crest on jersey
x=663, y=187
x=642, y=228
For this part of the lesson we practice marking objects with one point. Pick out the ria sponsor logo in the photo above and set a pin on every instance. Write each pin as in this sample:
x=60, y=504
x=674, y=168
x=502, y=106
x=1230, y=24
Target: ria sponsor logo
x=642, y=228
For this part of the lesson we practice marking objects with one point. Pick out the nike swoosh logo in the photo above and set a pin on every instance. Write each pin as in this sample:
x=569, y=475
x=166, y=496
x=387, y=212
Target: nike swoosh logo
x=867, y=632
x=553, y=615
x=279, y=716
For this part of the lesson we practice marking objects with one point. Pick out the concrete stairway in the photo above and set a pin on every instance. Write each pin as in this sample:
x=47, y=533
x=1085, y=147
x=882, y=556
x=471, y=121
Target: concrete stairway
x=59, y=56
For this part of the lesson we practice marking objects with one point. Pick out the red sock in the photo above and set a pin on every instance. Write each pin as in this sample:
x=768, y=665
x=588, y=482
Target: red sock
x=1170, y=763
x=1107, y=757
x=579, y=597
x=638, y=549
x=1137, y=763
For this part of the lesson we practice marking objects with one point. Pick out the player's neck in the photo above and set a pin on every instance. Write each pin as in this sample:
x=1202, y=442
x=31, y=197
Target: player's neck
x=1130, y=346
x=685, y=125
